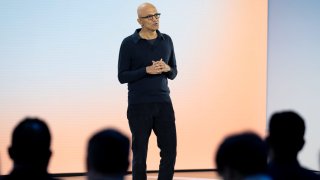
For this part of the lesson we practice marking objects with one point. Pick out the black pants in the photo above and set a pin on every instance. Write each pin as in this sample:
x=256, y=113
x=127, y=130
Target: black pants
x=159, y=117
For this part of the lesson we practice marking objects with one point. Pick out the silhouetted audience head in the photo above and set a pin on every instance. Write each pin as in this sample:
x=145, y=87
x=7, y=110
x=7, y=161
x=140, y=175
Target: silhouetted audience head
x=285, y=140
x=286, y=134
x=30, y=150
x=30, y=143
x=242, y=156
x=108, y=154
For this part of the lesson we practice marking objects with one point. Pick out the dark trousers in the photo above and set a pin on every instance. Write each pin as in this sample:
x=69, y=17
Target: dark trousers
x=159, y=117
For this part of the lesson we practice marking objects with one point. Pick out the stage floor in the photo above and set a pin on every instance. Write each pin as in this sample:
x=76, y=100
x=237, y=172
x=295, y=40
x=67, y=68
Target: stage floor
x=210, y=175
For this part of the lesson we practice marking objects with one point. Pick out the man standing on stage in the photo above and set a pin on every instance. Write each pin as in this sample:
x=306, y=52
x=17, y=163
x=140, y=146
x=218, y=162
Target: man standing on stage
x=146, y=61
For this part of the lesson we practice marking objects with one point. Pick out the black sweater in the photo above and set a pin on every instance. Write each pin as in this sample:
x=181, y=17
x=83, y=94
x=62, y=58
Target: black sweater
x=134, y=56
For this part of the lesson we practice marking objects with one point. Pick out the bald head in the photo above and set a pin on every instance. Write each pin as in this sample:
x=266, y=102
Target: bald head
x=145, y=8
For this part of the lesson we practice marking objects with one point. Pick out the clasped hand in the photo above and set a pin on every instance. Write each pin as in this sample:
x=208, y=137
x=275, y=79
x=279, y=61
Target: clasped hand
x=158, y=67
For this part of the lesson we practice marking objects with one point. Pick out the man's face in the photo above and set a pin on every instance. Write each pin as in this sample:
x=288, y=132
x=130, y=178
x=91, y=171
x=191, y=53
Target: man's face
x=149, y=18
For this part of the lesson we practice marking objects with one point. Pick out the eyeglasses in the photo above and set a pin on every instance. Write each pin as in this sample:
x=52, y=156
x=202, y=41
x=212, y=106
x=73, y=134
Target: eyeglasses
x=150, y=17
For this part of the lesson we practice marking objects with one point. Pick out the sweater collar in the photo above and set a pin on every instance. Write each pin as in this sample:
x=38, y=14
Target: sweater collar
x=136, y=36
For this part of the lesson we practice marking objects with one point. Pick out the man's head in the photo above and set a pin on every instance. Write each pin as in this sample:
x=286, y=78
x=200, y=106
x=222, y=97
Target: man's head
x=30, y=144
x=286, y=133
x=108, y=153
x=148, y=17
x=241, y=155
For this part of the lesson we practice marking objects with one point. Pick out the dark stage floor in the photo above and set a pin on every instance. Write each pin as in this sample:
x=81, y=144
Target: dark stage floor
x=207, y=175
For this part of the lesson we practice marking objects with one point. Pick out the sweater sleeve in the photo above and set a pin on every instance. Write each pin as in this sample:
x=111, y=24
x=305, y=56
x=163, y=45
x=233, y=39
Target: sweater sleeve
x=172, y=63
x=125, y=73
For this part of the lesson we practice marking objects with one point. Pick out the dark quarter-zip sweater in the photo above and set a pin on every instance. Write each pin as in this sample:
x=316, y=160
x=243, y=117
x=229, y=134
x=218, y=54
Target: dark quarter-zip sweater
x=134, y=56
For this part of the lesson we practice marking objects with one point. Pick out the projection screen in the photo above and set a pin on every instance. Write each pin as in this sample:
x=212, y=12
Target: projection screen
x=58, y=61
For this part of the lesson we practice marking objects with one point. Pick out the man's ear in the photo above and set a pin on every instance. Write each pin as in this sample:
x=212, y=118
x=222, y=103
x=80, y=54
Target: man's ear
x=50, y=153
x=302, y=142
x=11, y=152
x=139, y=21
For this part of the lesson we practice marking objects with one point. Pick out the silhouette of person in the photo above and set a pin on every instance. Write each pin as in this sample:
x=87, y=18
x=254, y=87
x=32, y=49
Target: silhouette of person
x=108, y=155
x=30, y=150
x=242, y=157
x=286, y=140
x=146, y=62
